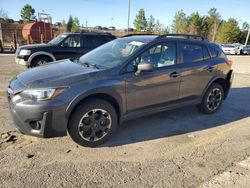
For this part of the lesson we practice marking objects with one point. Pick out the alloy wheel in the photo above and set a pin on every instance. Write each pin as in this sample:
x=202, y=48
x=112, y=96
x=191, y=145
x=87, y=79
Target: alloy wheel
x=94, y=125
x=41, y=62
x=214, y=99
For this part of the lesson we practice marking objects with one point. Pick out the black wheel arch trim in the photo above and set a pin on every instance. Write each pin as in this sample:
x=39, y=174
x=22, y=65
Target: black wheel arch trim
x=41, y=53
x=211, y=82
x=96, y=93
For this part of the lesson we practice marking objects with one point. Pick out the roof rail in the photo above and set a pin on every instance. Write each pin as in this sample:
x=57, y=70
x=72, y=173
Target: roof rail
x=187, y=36
x=97, y=33
x=137, y=34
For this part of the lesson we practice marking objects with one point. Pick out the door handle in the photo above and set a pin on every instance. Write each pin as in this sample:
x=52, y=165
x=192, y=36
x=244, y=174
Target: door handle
x=209, y=69
x=174, y=74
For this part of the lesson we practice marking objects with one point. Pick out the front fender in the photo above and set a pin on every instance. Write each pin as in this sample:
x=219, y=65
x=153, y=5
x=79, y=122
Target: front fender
x=41, y=53
x=118, y=97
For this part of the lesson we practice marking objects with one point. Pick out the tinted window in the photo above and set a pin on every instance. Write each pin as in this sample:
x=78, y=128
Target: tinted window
x=91, y=41
x=105, y=39
x=192, y=53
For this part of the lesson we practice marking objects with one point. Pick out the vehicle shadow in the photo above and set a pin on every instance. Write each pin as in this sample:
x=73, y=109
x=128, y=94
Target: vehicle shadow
x=181, y=121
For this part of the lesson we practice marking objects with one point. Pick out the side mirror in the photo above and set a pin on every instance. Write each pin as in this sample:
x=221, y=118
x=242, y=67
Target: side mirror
x=144, y=67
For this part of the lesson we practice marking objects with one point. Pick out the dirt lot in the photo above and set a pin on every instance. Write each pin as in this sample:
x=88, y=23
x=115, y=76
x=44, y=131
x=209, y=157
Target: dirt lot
x=179, y=148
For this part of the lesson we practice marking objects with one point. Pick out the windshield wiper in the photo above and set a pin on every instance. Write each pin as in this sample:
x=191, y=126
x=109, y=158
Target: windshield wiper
x=94, y=65
x=88, y=64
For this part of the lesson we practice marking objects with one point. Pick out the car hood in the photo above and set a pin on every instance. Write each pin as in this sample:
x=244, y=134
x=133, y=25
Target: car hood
x=59, y=73
x=32, y=46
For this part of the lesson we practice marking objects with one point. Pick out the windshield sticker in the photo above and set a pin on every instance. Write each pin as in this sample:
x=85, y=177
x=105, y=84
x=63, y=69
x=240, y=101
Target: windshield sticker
x=136, y=43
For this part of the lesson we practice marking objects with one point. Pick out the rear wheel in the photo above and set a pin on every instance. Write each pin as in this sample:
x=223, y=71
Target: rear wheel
x=92, y=123
x=40, y=61
x=212, y=99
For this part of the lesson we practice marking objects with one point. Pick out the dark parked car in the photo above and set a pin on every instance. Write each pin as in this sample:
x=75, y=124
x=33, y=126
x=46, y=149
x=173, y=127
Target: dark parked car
x=246, y=50
x=68, y=45
x=126, y=78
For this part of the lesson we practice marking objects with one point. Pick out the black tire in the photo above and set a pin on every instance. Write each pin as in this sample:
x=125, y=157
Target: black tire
x=77, y=125
x=211, y=101
x=38, y=61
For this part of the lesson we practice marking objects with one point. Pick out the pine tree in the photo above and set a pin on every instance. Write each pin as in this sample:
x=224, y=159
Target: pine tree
x=27, y=13
x=140, y=21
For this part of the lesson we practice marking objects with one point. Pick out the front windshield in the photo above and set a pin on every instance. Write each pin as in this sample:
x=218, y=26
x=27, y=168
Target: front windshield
x=58, y=39
x=111, y=54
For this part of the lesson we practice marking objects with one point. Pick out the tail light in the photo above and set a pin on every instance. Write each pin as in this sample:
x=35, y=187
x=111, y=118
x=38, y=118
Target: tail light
x=229, y=63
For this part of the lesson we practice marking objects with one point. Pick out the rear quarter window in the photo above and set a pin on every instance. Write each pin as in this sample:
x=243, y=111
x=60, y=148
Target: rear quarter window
x=216, y=51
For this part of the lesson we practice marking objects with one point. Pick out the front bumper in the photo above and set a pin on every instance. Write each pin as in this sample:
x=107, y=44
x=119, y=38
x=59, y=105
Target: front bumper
x=41, y=119
x=22, y=62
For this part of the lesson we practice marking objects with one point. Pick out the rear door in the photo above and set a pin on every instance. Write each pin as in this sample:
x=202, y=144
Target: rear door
x=71, y=47
x=196, y=71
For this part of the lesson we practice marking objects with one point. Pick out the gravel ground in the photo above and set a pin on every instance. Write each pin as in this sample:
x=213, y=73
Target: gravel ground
x=179, y=148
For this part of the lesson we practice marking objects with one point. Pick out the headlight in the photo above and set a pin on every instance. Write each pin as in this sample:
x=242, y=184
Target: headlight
x=42, y=94
x=24, y=52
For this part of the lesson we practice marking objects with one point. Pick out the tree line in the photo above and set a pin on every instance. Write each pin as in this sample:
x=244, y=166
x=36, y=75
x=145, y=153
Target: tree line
x=211, y=26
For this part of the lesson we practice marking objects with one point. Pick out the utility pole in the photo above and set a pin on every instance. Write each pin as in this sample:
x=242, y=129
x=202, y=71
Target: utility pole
x=248, y=33
x=128, y=15
x=1, y=39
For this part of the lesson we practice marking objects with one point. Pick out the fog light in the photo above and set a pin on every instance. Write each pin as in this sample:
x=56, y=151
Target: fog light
x=36, y=125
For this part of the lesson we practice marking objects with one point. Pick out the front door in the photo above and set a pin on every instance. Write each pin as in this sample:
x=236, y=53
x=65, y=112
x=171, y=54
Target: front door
x=152, y=89
x=71, y=47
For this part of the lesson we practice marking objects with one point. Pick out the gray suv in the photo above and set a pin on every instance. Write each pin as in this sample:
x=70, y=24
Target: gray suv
x=129, y=77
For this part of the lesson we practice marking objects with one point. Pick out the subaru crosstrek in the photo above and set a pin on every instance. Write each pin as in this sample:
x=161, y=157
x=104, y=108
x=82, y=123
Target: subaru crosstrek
x=129, y=77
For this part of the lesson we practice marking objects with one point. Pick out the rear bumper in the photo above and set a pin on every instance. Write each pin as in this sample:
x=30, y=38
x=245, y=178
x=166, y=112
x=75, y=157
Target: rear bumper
x=230, y=77
x=38, y=119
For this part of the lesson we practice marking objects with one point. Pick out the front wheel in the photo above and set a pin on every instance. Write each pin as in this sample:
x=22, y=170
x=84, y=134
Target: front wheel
x=212, y=99
x=92, y=123
x=40, y=61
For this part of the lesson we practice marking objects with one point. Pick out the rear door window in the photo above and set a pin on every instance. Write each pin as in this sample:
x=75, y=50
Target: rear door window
x=91, y=41
x=206, y=53
x=192, y=53
x=105, y=39
x=213, y=51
